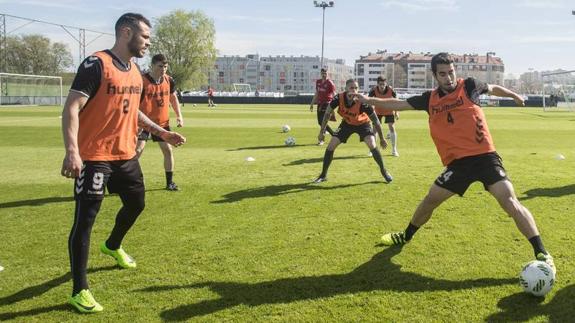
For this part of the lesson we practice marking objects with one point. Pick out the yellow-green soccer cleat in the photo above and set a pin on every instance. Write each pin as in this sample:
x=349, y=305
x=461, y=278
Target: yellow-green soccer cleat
x=124, y=260
x=393, y=239
x=85, y=302
x=548, y=259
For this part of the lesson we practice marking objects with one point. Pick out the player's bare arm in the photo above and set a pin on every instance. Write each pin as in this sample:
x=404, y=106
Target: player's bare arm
x=176, y=106
x=173, y=138
x=312, y=102
x=72, y=164
x=497, y=90
x=326, y=116
x=377, y=127
x=390, y=103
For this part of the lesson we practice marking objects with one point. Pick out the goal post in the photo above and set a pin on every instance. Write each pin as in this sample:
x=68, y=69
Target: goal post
x=559, y=91
x=27, y=89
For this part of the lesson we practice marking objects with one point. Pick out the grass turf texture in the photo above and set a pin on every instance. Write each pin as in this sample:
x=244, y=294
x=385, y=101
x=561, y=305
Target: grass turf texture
x=252, y=241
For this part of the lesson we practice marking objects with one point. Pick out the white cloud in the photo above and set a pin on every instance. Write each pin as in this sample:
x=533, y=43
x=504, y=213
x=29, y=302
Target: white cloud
x=542, y=4
x=546, y=39
x=422, y=5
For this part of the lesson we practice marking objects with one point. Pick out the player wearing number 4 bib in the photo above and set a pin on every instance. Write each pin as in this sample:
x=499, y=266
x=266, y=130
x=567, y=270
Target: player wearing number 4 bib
x=99, y=124
x=459, y=130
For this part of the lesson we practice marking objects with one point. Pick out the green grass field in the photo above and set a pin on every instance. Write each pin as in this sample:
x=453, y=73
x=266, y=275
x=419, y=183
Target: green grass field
x=254, y=242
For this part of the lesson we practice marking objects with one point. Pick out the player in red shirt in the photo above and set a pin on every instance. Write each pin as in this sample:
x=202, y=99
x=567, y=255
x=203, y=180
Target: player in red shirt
x=211, y=97
x=461, y=135
x=324, y=92
x=100, y=126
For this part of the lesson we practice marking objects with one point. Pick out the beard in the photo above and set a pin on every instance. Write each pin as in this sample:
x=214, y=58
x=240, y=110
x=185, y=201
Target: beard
x=134, y=49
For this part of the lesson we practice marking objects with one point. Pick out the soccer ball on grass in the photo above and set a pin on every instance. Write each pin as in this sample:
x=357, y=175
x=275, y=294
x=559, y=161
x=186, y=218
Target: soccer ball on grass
x=537, y=278
x=286, y=128
x=290, y=141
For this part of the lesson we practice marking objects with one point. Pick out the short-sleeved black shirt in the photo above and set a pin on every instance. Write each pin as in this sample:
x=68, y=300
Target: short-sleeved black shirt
x=473, y=87
x=367, y=109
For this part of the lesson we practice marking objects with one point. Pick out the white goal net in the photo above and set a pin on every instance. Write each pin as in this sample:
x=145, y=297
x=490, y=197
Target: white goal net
x=23, y=89
x=559, y=91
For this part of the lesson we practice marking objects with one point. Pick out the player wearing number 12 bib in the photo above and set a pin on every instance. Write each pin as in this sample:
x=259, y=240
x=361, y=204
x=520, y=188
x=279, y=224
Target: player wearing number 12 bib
x=461, y=135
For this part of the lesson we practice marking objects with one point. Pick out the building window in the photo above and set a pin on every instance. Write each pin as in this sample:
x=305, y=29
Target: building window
x=315, y=67
x=268, y=67
x=221, y=74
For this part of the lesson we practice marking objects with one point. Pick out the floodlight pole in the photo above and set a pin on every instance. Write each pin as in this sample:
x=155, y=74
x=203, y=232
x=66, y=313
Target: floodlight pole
x=323, y=5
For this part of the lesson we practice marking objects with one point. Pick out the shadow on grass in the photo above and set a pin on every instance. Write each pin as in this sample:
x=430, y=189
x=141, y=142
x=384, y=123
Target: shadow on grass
x=276, y=190
x=36, y=311
x=36, y=202
x=379, y=273
x=268, y=147
x=320, y=159
x=37, y=290
x=549, y=192
x=523, y=307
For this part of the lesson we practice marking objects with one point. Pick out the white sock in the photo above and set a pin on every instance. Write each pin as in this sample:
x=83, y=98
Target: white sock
x=393, y=136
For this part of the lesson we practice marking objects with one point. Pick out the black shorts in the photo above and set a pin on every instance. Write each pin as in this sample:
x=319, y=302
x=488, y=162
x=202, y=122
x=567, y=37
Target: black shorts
x=388, y=119
x=486, y=168
x=145, y=136
x=118, y=176
x=345, y=130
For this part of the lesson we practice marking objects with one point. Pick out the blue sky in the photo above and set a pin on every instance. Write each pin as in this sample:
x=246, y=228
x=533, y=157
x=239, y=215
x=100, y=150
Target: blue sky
x=538, y=34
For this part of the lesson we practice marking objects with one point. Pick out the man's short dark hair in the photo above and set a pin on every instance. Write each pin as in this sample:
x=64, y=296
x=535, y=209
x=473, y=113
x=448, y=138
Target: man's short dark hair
x=381, y=79
x=159, y=58
x=323, y=70
x=440, y=58
x=348, y=82
x=131, y=20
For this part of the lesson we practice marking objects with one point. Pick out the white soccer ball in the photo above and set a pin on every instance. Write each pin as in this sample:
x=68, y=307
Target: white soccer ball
x=537, y=278
x=286, y=128
x=194, y=105
x=290, y=141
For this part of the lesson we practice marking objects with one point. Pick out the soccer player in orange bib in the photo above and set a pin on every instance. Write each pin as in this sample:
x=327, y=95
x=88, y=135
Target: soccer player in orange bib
x=159, y=94
x=356, y=119
x=383, y=90
x=459, y=130
x=100, y=126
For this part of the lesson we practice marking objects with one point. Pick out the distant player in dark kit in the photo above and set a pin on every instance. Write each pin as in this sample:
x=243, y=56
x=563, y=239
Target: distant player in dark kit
x=211, y=97
x=324, y=92
x=159, y=94
x=459, y=130
x=356, y=118
x=100, y=126
x=180, y=97
x=383, y=90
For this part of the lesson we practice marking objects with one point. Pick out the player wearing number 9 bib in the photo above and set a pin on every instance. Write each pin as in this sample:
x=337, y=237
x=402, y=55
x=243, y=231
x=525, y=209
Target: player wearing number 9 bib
x=461, y=135
x=99, y=124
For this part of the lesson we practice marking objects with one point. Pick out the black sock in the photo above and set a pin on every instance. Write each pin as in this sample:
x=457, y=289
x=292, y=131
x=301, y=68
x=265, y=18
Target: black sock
x=410, y=231
x=79, y=242
x=378, y=159
x=327, y=158
x=169, y=176
x=133, y=205
x=537, y=245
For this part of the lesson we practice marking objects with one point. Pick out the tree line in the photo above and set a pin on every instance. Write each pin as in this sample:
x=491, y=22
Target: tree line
x=186, y=37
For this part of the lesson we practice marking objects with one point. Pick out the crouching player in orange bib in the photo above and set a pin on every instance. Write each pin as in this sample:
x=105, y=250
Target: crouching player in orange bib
x=356, y=119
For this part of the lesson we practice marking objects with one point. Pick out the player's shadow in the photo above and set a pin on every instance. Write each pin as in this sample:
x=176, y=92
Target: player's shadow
x=36, y=202
x=319, y=160
x=523, y=307
x=40, y=289
x=549, y=192
x=276, y=190
x=378, y=274
x=268, y=147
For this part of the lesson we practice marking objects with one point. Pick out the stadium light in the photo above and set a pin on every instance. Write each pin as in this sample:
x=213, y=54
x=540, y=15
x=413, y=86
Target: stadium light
x=323, y=5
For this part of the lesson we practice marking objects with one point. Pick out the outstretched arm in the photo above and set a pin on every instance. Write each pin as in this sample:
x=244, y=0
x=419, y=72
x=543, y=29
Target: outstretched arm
x=173, y=138
x=391, y=103
x=498, y=90
x=326, y=116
